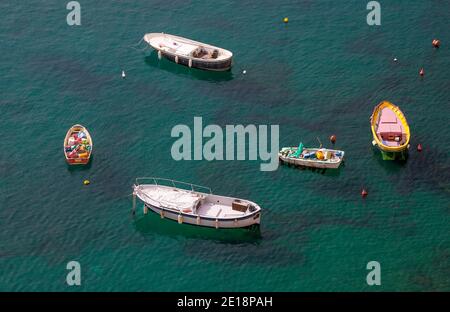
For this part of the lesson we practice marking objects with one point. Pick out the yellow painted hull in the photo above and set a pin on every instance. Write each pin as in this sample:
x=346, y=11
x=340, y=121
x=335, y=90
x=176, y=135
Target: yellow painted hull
x=400, y=116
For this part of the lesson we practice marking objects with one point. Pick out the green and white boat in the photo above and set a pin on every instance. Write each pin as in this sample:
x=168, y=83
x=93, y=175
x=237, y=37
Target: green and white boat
x=312, y=157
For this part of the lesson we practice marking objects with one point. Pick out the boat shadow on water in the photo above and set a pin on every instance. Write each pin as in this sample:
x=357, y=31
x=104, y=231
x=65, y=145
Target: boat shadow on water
x=153, y=224
x=391, y=166
x=198, y=74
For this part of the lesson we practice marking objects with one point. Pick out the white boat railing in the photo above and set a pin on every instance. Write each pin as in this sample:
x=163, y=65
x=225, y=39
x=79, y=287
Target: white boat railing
x=174, y=183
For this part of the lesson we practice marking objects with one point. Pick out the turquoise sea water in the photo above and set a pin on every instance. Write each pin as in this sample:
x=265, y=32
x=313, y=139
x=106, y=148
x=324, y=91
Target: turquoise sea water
x=320, y=74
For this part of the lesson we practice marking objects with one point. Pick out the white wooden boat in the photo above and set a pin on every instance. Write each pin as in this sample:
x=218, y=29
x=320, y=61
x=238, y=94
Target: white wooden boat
x=189, y=52
x=189, y=205
x=312, y=157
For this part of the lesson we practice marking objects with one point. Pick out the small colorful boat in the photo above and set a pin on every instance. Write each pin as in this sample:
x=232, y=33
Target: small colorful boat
x=189, y=52
x=78, y=145
x=312, y=157
x=194, y=204
x=390, y=131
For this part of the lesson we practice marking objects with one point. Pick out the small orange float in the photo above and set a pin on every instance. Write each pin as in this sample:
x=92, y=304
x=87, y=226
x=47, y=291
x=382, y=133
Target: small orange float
x=364, y=193
x=436, y=43
x=333, y=139
x=422, y=72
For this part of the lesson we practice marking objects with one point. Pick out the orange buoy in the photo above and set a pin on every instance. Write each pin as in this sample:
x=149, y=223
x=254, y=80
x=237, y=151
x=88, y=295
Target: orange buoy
x=419, y=147
x=422, y=72
x=364, y=193
x=333, y=139
x=436, y=43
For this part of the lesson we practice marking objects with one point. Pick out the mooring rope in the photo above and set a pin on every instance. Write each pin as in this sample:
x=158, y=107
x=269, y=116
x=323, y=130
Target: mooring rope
x=135, y=47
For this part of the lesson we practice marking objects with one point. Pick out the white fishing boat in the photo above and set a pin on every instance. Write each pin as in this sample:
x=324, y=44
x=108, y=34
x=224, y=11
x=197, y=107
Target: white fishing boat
x=312, y=157
x=189, y=52
x=194, y=204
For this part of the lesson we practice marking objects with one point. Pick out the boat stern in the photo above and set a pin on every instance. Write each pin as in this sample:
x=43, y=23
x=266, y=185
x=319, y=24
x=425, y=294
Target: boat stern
x=284, y=152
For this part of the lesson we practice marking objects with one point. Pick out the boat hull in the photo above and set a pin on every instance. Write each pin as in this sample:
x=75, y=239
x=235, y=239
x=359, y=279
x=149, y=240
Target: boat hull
x=310, y=164
x=223, y=223
x=77, y=161
x=213, y=66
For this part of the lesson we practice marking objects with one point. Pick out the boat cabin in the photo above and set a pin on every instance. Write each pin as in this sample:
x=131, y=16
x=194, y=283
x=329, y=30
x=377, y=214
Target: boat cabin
x=390, y=129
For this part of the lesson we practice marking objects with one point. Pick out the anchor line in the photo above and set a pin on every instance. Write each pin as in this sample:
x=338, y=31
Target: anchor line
x=136, y=45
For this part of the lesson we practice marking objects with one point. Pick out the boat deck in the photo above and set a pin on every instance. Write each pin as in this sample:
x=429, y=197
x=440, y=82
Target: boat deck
x=183, y=47
x=212, y=206
x=214, y=210
x=170, y=197
x=289, y=152
x=177, y=47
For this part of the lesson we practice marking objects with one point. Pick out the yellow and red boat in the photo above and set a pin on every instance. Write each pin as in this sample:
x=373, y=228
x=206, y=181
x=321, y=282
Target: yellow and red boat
x=78, y=145
x=390, y=131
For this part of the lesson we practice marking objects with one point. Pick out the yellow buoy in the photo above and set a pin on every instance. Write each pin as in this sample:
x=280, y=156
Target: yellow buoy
x=86, y=182
x=285, y=20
